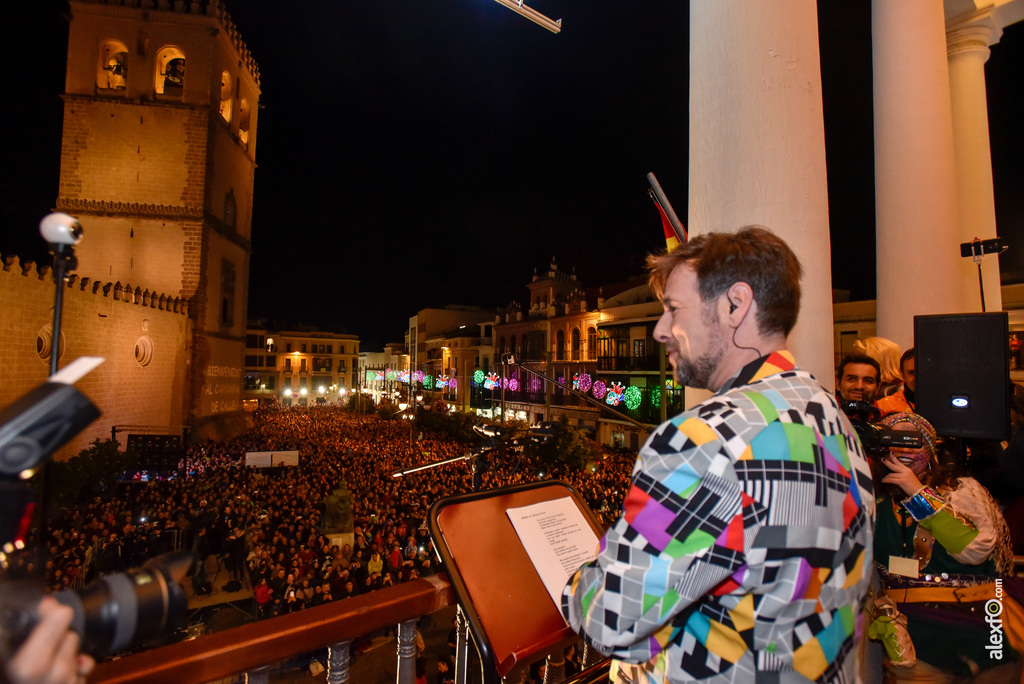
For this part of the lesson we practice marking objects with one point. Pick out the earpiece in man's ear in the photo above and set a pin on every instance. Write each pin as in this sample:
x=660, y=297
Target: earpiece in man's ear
x=732, y=304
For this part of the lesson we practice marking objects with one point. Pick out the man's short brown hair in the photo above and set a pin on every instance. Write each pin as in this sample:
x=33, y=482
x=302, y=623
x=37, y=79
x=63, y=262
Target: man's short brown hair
x=752, y=255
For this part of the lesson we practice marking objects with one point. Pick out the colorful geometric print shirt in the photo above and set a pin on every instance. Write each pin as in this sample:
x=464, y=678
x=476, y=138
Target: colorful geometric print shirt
x=744, y=548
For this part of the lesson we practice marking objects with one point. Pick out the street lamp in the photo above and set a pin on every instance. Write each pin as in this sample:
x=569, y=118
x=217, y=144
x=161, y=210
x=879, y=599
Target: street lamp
x=62, y=233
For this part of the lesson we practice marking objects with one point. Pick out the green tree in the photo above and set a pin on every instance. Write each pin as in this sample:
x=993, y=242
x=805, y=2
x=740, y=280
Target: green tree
x=454, y=424
x=94, y=471
x=568, y=446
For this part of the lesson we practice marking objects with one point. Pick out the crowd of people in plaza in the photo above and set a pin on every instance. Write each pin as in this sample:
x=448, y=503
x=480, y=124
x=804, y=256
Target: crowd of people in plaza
x=263, y=525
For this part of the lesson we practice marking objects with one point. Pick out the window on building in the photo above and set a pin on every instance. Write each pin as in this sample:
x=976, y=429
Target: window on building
x=592, y=343
x=512, y=344
x=252, y=342
x=303, y=347
x=560, y=345
x=170, y=72
x=227, y=293
x=226, y=95
x=302, y=383
x=271, y=362
x=287, y=383
x=302, y=365
x=243, y=121
x=287, y=365
x=575, y=342
x=270, y=381
x=288, y=347
x=330, y=349
x=112, y=69
x=230, y=209
x=252, y=382
x=321, y=364
x=341, y=349
x=252, y=360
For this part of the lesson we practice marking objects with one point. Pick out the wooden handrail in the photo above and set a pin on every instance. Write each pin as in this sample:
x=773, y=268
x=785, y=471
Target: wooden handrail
x=250, y=646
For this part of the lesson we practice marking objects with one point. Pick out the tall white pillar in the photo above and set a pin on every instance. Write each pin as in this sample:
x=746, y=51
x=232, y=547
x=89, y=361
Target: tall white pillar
x=757, y=144
x=917, y=224
x=967, y=42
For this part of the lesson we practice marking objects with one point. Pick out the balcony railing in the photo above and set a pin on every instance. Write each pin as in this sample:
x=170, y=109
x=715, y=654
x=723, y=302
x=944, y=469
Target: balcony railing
x=250, y=648
x=650, y=362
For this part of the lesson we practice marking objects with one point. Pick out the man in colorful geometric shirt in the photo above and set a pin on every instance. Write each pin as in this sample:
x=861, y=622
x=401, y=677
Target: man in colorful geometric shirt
x=744, y=547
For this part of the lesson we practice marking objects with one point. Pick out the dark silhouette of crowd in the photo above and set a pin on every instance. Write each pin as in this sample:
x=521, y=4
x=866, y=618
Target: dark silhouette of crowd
x=263, y=525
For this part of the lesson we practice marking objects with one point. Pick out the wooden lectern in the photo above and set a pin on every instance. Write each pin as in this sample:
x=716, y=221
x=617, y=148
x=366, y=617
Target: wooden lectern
x=511, y=617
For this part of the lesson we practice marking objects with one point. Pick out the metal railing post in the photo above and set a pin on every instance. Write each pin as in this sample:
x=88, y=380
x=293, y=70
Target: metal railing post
x=407, y=652
x=554, y=670
x=261, y=675
x=591, y=656
x=461, y=647
x=339, y=659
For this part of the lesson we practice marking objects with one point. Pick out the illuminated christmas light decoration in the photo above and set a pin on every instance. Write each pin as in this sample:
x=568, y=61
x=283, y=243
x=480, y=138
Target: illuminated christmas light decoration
x=633, y=396
x=492, y=381
x=428, y=381
x=615, y=394
x=600, y=389
x=513, y=384
x=656, y=396
x=452, y=383
x=402, y=376
x=561, y=380
x=389, y=374
x=535, y=385
x=581, y=382
x=478, y=376
x=441, y=382
x=418, y=376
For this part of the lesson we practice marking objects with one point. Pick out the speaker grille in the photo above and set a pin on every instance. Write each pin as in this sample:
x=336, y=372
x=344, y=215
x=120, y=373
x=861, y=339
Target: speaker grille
x=963, y=374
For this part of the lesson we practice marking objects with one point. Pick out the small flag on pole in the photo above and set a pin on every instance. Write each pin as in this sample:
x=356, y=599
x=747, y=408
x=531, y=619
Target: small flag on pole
x=671, y=241
x=675, y=233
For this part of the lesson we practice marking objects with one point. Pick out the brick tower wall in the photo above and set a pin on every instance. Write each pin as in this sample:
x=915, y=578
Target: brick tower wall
x=99, y=319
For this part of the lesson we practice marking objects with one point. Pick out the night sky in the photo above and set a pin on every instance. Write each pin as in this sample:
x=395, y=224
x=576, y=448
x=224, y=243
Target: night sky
x=415, y=154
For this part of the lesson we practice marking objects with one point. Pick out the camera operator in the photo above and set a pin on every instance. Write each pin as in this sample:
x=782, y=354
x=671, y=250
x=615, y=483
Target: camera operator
x=50, y=654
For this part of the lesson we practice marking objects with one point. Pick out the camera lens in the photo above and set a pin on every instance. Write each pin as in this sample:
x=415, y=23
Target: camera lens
x=117, y=611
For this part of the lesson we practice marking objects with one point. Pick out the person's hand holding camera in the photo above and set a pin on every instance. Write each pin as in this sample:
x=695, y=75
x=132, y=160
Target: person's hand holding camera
x=50, y=654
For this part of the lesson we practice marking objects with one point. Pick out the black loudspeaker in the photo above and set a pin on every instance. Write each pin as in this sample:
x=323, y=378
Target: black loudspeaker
x=962, y=362
x=157, y=452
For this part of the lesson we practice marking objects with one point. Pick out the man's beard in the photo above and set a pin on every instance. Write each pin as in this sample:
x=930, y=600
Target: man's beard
x=697, y=372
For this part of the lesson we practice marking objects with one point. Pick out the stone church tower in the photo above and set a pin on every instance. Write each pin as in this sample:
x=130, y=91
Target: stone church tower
x=157, y=161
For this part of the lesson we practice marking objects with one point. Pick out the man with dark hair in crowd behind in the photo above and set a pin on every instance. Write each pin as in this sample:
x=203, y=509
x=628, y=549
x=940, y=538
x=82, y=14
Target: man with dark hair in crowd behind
x=857, y=378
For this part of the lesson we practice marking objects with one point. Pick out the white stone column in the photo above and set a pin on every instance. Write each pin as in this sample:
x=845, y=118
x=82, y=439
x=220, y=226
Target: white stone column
x=757, y=144
x=917, y=224
x=967, y=43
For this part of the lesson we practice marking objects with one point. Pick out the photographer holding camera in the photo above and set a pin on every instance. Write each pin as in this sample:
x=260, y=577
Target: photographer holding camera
x=50, y=655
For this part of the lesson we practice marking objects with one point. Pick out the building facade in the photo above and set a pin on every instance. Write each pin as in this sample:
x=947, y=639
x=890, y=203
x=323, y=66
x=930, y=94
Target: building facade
x=158, y=161
x=298, y=368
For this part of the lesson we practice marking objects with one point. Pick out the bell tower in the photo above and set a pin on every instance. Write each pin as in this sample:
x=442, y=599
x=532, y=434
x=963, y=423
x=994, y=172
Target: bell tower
x=158, y=161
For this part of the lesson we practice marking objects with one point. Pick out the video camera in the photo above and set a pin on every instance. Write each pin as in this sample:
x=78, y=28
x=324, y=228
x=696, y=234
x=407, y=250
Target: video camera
x=877, y=439
x=114, y=611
